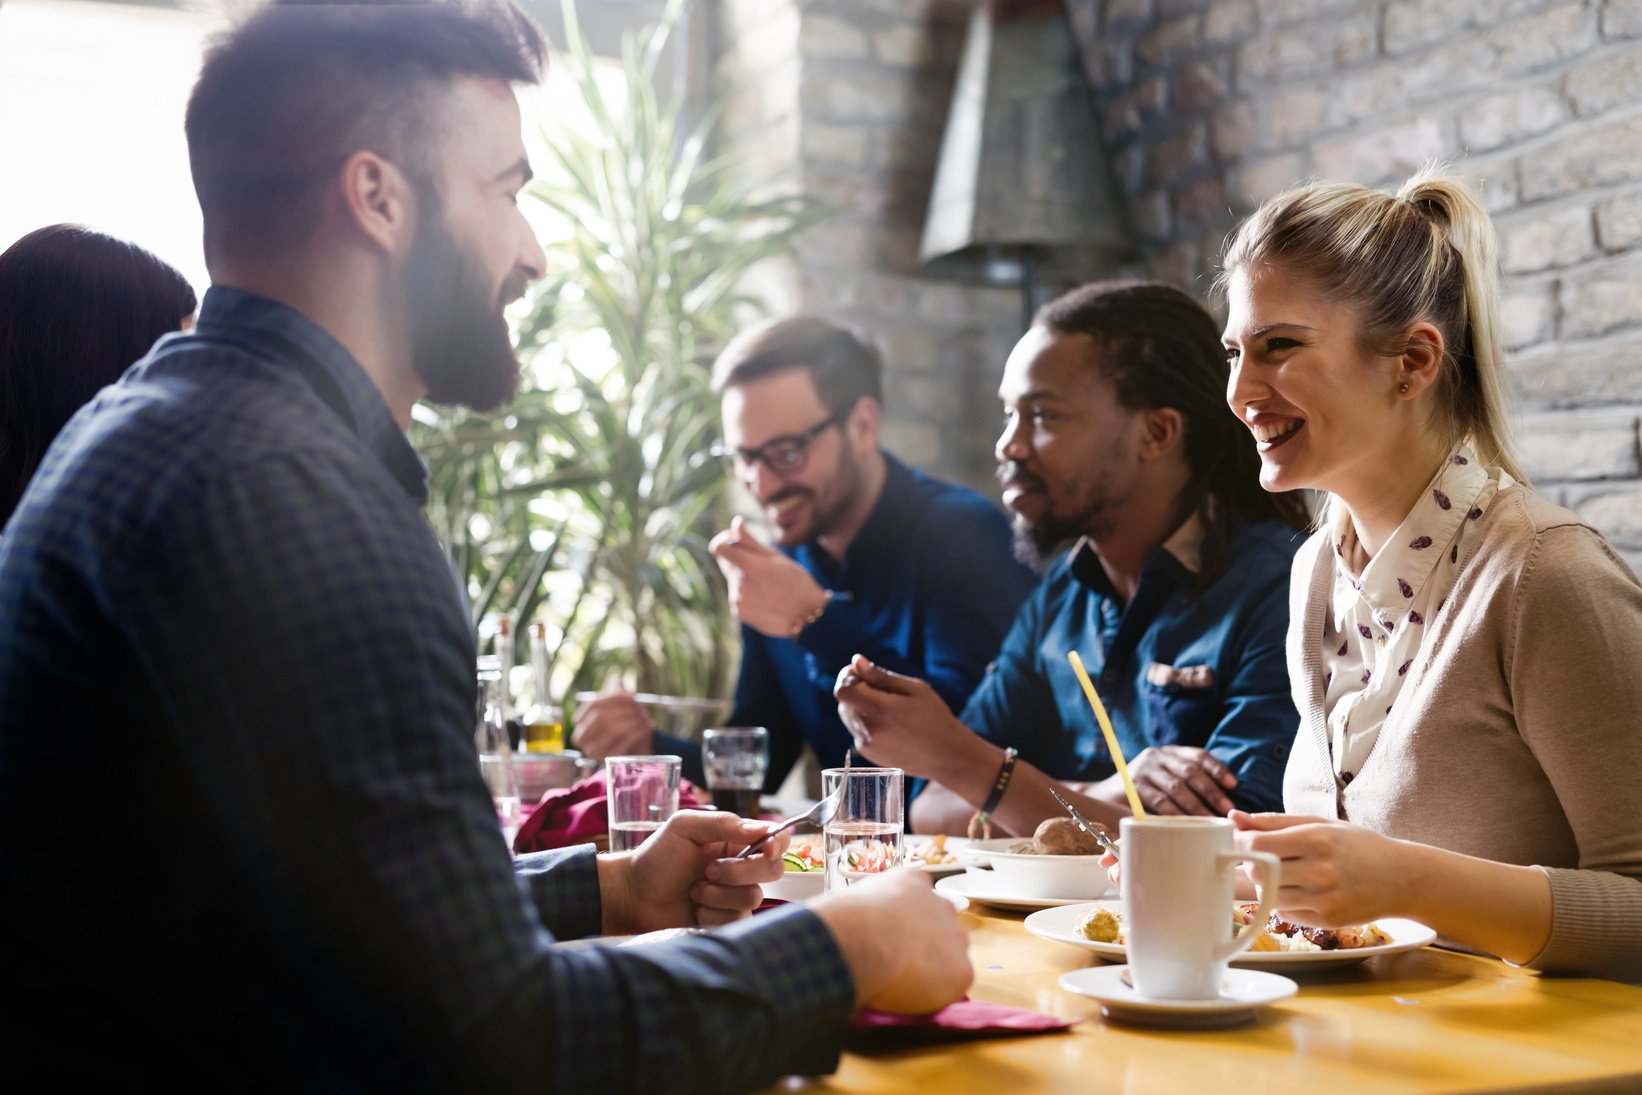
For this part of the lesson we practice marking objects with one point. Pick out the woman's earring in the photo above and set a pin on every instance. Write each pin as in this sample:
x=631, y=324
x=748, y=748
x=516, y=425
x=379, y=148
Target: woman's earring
x=1403, y=388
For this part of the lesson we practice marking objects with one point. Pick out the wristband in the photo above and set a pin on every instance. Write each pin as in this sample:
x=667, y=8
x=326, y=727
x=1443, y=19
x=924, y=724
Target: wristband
x=799, y=627
x=1006, y=772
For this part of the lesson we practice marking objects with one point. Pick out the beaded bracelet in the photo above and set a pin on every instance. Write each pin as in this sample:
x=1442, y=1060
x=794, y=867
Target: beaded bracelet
x=799, y=627
x=1006, y=772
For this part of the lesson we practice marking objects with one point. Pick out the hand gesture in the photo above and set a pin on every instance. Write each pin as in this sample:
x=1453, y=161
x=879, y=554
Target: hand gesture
x=613, y=724
x=1181, y=779
x=684, y=875
x=903, y=942
x=899, y=720
x=768, y=591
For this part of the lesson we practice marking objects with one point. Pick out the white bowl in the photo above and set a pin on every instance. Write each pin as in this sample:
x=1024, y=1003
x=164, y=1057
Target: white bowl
x=797, y=885
x=1021, y=874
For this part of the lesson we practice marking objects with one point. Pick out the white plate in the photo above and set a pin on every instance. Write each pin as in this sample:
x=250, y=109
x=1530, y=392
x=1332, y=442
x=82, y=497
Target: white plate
x=1241, y=993
x=977, y=886
x=1061, y=926
x=954, y=844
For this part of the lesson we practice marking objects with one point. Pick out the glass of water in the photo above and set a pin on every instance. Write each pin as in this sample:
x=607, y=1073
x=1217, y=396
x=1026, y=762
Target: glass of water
x=736, y=759
x=863, y=833
x=643, y=794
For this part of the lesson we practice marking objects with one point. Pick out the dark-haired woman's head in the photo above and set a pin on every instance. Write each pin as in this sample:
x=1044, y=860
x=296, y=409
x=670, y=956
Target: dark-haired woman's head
x=76, y=308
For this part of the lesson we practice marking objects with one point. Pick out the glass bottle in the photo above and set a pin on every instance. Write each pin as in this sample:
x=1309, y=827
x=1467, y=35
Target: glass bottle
x=490, y=740
x=544, y=721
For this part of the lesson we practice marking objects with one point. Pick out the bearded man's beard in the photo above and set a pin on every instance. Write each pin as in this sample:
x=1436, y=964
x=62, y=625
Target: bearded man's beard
x=459, y=339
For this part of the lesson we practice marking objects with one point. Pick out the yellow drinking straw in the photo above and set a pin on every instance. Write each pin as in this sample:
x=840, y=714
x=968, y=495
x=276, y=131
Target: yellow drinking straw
x=1106, y=728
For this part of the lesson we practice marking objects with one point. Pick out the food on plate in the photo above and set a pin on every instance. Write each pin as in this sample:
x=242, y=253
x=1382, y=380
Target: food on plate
x=1058, y=836
x=868, y=857
x=803, y=857
x=1105, y=925
x=1298, y=937
x=1101, y=926
x=934, y=852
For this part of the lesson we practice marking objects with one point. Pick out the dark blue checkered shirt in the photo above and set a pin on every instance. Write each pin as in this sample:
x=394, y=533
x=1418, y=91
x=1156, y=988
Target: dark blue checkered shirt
x=243, y=839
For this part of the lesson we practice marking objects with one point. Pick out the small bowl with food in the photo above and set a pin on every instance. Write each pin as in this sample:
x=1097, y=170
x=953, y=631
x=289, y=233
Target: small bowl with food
x=806, y=873
x=1059, y=862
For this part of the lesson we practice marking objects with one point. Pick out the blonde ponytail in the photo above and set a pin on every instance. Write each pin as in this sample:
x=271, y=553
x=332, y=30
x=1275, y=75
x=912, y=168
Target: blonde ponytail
x=1485, y=411
x=1429, y=254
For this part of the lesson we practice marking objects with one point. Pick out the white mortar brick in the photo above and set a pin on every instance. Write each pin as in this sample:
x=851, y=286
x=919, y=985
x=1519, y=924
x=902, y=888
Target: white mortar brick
x=1273, y=12
x=1390, y=153
x=1268, y=176
x=1169, y=39
x=1580, y=445
x=916, y=443
x=827, y=36
x=1618, y=514
x=1227, y=20
x=1486, y=124
x=1599, y=85
x=1621, y=19
x=1538, y=239
x=902, y=46
x=1312, y=50
x=1527, y=314
x=1603, y=298
x=1123, y=12
x=1619, y=222
x=843, y=144
x=1584, y=158
x=1601, y=372
x=1232, y=130
x=1296, y=115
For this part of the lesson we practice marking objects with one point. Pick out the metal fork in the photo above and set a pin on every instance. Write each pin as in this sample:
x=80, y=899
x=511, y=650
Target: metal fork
x=815, y=813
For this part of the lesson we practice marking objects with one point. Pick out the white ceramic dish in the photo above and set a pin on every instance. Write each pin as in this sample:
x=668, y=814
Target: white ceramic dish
x=797, y=885
x=979, y=886
x=1060, y=925
x=913, y=843
x=1241, y=994
x=1071, y=877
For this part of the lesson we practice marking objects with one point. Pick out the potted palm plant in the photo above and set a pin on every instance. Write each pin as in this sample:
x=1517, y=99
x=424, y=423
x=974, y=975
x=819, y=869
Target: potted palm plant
x=588, y=503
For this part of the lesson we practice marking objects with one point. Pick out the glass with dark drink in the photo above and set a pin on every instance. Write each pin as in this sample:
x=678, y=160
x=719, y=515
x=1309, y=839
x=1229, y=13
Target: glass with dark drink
x=736, y=759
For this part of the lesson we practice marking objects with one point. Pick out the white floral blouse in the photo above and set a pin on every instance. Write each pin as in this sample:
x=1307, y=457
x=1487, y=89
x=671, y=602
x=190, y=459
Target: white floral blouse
x=1377, y=623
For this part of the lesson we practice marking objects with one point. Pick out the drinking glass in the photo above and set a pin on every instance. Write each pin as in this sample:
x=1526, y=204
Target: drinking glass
x=643, y=794
x=862, y=833
x=736, y=759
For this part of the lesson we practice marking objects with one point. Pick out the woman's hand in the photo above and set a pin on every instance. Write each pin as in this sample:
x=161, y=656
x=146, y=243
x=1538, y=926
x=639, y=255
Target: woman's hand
x=1334, y=873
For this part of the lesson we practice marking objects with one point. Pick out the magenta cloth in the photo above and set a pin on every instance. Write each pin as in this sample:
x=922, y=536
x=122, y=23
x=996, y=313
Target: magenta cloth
x=960, y=1022
x=577, y=814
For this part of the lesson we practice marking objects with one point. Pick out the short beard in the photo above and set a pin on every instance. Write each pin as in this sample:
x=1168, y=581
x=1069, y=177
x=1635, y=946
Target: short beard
x=1038, y=545
x=460, y=345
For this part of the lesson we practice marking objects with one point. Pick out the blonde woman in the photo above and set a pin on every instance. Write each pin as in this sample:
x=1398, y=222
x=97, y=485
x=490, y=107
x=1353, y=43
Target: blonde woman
x=1466, y=657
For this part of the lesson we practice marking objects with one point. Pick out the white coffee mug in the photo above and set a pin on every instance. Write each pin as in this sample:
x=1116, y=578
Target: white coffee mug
x=1179, y=876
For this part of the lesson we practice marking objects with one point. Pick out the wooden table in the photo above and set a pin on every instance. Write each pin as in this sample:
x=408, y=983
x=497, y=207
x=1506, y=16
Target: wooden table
x=1422, y=1021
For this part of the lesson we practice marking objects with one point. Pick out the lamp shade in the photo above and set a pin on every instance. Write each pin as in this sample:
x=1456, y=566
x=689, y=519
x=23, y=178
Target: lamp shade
x=1023, y=174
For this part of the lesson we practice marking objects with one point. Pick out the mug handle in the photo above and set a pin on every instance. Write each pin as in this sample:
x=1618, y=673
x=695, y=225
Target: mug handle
x=1270, y=869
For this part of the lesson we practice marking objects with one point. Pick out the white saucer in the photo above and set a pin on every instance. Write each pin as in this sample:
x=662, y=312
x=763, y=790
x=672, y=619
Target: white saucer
x=1242, y=992
x=965, y=885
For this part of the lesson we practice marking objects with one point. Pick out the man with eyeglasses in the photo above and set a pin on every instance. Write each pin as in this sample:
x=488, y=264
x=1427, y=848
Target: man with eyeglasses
x=868, y=555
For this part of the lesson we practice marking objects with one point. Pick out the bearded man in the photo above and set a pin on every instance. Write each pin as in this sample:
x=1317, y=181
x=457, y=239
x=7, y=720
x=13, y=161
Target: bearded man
x=243, y=834
x=1174, y=592
x=868, y=555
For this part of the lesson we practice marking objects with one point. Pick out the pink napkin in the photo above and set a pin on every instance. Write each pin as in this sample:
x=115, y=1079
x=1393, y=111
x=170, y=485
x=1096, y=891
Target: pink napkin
x=960, y=1022
x=577, y=814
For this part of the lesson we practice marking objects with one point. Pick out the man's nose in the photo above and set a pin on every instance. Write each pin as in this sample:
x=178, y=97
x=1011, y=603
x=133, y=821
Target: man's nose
x=1011, y=444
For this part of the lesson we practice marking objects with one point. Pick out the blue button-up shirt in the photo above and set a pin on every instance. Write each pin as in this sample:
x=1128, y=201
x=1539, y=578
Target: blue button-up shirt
x=243, y=837
x=928, y=588
x=1173, y=666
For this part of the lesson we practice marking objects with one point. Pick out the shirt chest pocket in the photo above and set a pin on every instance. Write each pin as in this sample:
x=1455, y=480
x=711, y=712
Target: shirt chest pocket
x=1182, y=704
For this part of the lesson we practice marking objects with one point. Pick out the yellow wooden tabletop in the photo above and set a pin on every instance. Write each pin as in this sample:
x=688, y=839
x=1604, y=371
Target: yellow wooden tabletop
x=1422, y=1021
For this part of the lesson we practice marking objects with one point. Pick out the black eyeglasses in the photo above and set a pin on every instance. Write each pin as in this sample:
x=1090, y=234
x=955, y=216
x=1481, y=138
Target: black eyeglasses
x=782, y=455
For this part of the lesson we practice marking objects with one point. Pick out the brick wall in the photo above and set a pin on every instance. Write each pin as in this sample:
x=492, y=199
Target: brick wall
x=846, y=100
x=1211, y=107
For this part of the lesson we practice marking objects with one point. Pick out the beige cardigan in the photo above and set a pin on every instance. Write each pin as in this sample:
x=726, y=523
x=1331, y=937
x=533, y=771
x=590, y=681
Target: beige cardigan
x=1517, y=736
